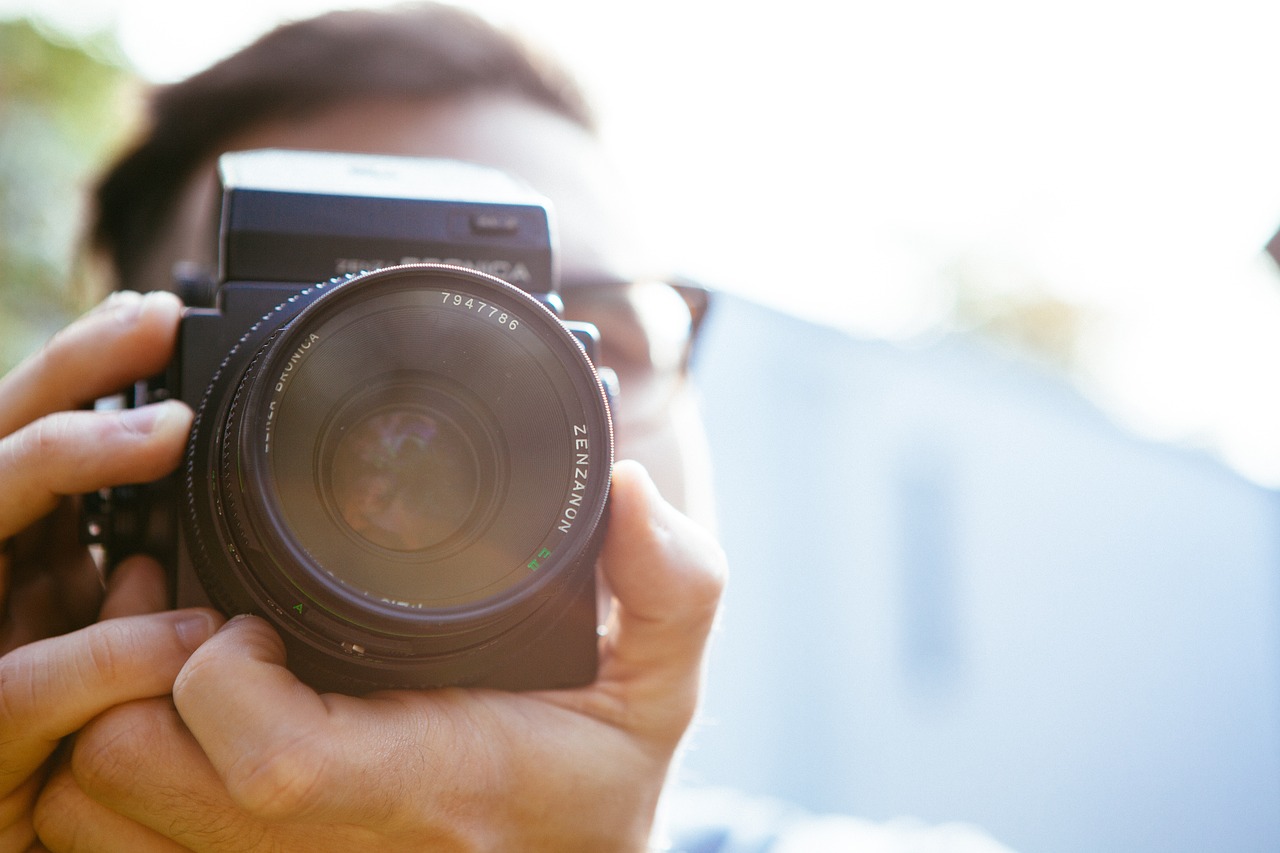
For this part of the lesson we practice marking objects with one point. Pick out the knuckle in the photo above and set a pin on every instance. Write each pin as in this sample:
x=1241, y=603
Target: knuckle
x=103, y=664
x=52, y=437
x=16, y=693
x=44, y=438
x=106, y=751
x=26, y=683
x=213, y=829
x=109, y=655
x=715, y=574
x=54, y=358
x=200, y=667
x=61, y=440
x=706, y=574
x=281, y=783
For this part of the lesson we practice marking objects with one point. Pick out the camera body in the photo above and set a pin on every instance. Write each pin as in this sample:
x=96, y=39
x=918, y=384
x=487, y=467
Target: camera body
x=401, y=454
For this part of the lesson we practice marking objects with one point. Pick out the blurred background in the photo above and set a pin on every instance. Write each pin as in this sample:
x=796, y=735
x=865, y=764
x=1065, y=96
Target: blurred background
x=993, y=391
x=1090, y=184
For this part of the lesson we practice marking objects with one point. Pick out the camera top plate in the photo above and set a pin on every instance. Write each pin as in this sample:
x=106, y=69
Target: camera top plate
x=307, y=216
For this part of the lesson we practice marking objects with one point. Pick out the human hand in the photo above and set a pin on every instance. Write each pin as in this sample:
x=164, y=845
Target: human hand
x=49, y=585
x=52, y=687
x=247, y=757
x=51, y=450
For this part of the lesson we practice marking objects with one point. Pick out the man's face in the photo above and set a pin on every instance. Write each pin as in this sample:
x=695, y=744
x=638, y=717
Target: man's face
x=644, y=327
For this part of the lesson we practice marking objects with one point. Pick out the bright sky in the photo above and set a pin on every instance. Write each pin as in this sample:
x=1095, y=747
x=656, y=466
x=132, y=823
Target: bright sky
x=832, y=158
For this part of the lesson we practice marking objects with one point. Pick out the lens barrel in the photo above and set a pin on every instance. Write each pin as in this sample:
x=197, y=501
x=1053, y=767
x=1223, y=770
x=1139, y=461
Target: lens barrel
x=407, y=472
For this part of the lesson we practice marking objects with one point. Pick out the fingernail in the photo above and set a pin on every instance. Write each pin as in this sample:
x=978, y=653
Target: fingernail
x=145, y=419
x=194, y=629
x=153, y=298
x=171, y=415
x=125, y=305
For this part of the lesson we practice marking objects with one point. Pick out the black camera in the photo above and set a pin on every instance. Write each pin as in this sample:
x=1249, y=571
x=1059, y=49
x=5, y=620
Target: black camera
x=401, y=454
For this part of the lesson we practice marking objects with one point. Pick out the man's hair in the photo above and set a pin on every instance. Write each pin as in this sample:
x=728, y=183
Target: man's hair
x=419, y=52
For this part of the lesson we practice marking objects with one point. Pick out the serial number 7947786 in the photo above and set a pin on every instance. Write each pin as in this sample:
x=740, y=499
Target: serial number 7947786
x=493, y=312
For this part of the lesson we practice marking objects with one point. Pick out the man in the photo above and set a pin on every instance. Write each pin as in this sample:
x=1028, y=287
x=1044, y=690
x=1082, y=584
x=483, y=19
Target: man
x=241, y=755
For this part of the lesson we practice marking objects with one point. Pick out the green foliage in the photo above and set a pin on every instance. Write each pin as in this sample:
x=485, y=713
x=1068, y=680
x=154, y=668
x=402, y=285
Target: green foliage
x=65, y=107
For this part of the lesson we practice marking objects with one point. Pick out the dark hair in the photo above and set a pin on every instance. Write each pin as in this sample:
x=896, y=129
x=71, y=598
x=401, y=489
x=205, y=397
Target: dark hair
x=421, y=51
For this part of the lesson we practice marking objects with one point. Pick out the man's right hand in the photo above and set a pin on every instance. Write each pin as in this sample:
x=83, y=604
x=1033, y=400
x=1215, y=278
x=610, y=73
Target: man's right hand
x=51, y=450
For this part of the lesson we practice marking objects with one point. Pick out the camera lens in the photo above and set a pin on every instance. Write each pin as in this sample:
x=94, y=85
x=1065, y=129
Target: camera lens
x=407, y=466
x=404, y=478
x=413, y=463
x=405, y=473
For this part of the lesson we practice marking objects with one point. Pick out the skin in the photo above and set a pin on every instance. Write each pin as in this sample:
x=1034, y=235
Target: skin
x=52, y=682
x=214, y=746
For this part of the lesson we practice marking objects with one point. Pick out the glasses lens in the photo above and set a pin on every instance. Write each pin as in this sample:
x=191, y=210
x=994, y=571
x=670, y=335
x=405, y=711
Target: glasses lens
x=647, y=333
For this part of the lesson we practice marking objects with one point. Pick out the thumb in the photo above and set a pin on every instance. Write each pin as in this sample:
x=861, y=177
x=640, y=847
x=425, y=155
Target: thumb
x=667, y=574
x=266, y=733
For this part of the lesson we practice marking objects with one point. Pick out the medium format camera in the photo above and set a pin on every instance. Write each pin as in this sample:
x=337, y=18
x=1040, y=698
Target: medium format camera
x=401, y=454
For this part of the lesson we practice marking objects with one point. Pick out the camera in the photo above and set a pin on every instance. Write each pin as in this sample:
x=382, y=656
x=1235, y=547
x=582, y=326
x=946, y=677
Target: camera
x=401, y=453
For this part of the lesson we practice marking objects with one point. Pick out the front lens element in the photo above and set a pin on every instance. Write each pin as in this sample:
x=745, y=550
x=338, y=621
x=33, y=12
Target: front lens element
x=404, y=478
x=421, y=442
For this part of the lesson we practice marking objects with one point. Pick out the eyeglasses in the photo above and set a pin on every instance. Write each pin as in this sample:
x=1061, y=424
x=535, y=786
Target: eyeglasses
x=648, y=332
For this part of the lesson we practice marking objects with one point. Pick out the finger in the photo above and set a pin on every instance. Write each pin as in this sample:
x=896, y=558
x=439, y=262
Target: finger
x=136, y=586
x=139, y=762
x=126, y=338
x=667, y=574
x=264, y=731
x=68, y=594
x=42, y=606
x=283, y=751
x=16, y=829
x=68, y=820
x=51, y=583
x=51, y=688
x=69, y=453
x=54, y=548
